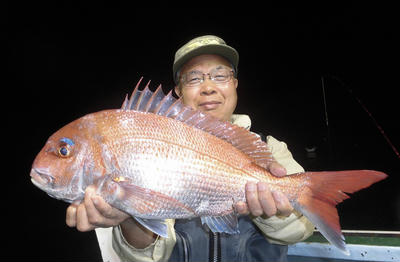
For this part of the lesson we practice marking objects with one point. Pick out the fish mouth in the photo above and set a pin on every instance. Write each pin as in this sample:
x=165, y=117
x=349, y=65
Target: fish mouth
x=44, y=181
x=41, y=178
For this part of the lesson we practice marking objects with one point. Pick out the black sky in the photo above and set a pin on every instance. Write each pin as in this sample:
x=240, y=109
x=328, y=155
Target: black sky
x=68, y=60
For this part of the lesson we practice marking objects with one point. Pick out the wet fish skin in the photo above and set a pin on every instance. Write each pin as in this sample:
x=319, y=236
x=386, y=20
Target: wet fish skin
x=150, y=153
x=180, y=163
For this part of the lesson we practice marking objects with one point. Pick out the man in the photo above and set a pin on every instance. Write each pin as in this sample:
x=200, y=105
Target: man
x=205, y=72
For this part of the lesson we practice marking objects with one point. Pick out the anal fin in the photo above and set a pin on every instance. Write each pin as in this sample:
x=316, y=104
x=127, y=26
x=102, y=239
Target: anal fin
x=224, y=224
x=156, y=226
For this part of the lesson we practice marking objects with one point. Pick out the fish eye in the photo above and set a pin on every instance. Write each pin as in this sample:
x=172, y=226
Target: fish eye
x=63, y=151
x=64, y=147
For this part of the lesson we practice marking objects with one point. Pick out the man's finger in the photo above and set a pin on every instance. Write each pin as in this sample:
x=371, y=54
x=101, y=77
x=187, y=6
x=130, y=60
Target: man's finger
x=94, y=217
x=241, y=208
x=277, y=169
x=252, y=199
x=82, y=222
x=71, y=216
x=282, y=204
x=266, y=199
x=103, y=207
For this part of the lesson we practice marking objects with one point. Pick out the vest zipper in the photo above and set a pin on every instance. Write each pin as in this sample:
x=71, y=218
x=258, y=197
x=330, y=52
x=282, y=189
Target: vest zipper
x=215, y=247
x=185, y=250
x=185, y=247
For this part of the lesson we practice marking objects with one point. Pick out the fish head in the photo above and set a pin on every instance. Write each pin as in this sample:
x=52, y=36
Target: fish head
x=64, y=165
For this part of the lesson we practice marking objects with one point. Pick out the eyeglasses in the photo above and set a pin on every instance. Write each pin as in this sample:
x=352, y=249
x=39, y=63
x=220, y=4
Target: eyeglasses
x=218, y=75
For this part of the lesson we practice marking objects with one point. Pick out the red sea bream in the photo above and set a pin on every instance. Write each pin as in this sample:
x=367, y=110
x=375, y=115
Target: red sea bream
x=155, y=159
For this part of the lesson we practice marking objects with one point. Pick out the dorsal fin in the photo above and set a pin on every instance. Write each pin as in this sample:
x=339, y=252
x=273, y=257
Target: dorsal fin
x=143, y=99
x=169, y=106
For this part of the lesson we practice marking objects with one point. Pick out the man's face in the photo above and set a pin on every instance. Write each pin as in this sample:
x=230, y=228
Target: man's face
x=219, y=99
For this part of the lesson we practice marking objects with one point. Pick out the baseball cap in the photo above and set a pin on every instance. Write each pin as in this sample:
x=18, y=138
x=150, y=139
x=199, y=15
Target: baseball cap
x=207, y=44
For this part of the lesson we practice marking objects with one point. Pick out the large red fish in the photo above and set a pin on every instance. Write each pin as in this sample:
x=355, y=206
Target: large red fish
x=155, y=159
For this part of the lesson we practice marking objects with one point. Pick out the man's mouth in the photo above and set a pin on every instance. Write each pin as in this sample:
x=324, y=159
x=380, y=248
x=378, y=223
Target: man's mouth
x=210, y=105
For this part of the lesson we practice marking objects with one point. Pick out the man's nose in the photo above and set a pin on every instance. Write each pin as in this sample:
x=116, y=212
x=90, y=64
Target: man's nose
x=208, y=87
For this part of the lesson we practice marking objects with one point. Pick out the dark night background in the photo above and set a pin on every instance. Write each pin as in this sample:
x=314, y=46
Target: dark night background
x=67, y=60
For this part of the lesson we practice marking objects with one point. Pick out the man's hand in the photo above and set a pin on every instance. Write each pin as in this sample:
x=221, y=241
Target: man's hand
x=93, y=212
x=261, y=201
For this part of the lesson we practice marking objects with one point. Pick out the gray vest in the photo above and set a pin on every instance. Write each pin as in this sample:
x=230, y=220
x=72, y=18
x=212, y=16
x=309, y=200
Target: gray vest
x=195, y=243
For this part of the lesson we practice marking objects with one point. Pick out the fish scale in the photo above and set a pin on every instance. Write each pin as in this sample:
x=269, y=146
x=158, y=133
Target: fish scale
x=186, y=148
x=156, y=158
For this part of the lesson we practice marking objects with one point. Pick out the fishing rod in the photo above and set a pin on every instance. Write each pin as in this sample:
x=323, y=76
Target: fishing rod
x=330, y=153
x=363, y=106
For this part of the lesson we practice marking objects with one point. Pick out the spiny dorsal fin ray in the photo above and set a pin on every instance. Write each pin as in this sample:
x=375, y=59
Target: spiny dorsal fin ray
x=174, y=109
x=155, y=100
x=134, y=96
x=167, y=105
x=143, y=99
x=125, y=103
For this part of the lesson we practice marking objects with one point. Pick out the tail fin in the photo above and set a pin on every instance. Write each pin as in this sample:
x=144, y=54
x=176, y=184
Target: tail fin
x=324, y=191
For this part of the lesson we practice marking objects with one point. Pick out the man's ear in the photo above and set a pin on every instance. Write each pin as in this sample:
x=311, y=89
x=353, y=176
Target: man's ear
x=235, y=82
x=178, y=91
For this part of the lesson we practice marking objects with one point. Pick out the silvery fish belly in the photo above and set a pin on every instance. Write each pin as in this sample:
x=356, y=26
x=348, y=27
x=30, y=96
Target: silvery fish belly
x=156, y=158
x=164, y=171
